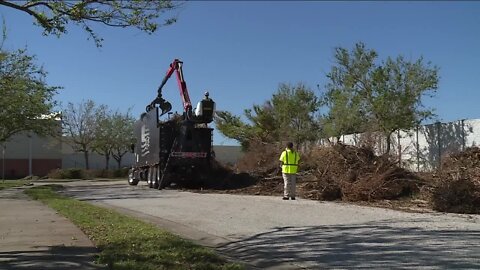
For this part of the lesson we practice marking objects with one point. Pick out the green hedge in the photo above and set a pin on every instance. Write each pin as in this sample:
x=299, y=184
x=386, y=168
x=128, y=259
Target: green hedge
x=74, y=173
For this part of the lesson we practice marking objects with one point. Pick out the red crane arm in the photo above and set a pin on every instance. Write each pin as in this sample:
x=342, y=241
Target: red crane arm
x=182, y=85
x=206, y=106
x=176, y=66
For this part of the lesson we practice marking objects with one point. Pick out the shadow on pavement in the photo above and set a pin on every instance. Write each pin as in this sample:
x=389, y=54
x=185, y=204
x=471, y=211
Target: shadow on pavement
x=98, y=192
x=54, y=257
x=361, y=246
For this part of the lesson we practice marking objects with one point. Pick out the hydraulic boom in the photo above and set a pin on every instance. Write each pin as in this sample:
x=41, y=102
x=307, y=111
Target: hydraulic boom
x=165, y=106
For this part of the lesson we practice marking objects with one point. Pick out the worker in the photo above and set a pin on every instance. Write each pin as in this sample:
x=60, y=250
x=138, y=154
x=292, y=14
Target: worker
x=289, y=162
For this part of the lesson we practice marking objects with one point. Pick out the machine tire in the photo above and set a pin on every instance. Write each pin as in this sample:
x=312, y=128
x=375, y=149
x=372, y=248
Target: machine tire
x=150, y=184
x=131, y=178
x=149, y=178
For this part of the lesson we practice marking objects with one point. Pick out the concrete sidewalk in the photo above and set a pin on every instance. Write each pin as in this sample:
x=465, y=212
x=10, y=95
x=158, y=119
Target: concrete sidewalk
x=33, y=236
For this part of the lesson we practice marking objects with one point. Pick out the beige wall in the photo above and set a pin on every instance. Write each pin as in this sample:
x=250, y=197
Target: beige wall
x=18, y=147
x=70, y=159
x=47, y=148
x=26, y=153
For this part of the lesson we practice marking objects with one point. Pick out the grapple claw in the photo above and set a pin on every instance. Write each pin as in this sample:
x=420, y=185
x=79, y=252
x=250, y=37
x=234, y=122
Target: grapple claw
x=165, y=106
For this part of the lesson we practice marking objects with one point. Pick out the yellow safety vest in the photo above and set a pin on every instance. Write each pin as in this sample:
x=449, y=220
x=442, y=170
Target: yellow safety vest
x=290, y=161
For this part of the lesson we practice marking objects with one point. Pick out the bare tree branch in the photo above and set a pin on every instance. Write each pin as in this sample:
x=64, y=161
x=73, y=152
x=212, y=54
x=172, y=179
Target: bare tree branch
x=54, y=16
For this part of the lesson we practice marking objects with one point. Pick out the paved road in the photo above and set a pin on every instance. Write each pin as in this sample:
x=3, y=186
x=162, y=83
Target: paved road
x=270, y=233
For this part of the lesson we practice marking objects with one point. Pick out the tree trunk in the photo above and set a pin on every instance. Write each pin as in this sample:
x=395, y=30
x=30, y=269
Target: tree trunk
x=107, y=159
x=119, y=162
x=389, y=143
x=85, y=153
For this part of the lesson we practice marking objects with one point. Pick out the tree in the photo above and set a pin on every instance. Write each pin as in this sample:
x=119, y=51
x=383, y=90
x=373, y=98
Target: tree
x=294, y=109
x=232, y=126
x=343, y=116
x=398, y=89
x=54, y=16
x=289, y=115
x=113, y=136
x=80, y=124
x=346, y=107
x=26, y=102
x=122, y=135
x=364, y=95
x=103, y=143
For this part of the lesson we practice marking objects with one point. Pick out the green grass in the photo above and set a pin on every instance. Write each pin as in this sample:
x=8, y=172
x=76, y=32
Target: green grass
x=12, y=183
x=127, y=243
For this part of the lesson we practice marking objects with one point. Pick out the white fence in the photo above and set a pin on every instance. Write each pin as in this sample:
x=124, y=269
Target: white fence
x=423, y=148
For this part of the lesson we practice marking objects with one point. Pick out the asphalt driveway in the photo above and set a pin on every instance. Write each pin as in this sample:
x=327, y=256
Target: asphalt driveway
x=267, y=232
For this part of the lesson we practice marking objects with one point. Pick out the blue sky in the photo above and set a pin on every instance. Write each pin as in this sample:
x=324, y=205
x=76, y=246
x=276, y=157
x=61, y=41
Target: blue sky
x=241, y=51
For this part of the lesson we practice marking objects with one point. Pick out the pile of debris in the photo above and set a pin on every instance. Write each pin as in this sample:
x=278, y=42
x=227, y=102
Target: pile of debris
x=338, y=172
x=219, y=178
x=349, y=173
x=457, y=187
x=356, y=174
x=262, y=167
x=261, y=160
x=467, y=159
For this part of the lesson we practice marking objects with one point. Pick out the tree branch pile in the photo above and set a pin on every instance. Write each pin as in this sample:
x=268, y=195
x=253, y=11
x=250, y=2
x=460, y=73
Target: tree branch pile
x=356, y=174
x=457, y=187
x=348, y=173
x=339, y=172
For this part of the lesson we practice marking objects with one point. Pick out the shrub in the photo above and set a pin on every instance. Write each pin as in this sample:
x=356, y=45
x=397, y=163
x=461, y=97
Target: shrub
x=71, y=173
x=117, y=173
x=123, y=172
x=102, y=173
x=74, y=173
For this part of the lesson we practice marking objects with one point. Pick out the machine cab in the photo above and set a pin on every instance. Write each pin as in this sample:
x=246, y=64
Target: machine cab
x=205, y=110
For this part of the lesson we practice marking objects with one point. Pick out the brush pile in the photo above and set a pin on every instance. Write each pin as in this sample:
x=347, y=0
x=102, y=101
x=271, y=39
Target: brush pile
x=457, y=187
x=338, y=172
